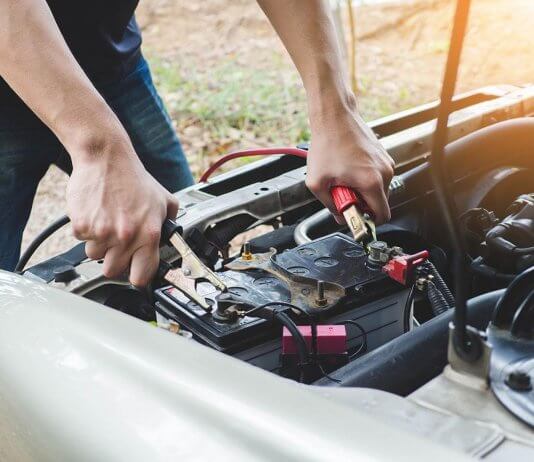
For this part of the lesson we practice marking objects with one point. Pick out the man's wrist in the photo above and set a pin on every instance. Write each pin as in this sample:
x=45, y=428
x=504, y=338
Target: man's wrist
x=99, y=148
x=97, y=138
x=331, y=104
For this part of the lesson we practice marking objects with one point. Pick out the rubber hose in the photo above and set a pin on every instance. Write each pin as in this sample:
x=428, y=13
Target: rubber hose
x=41, y=237
x=515, y=293
x=483, y=148
x=409, y=361
x=479, y=267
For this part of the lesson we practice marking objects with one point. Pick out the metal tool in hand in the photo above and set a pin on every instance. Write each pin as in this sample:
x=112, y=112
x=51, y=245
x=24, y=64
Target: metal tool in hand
x=192, y=268
x=356, y=213
x=178, y=280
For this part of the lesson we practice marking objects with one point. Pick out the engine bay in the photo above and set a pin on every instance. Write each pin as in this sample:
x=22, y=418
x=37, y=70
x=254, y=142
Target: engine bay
x=302, y=298
x=330, y=281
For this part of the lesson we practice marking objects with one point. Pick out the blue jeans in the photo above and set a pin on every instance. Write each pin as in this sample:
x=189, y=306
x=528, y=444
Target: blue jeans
x=27, y=148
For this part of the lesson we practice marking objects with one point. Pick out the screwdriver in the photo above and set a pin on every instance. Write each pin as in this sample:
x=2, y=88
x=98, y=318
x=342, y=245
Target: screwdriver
x=356, y=213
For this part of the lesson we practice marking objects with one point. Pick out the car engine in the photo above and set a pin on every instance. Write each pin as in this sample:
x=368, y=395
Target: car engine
x=304, y=300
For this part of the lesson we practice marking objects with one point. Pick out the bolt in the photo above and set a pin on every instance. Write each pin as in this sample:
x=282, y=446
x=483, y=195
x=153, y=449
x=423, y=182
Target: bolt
x=320, y=289
x=420, y=284
x=519, y=381
x=321, y=299
x=378, y=252
x=396, y=250
x=378, y=245
x=246, y=254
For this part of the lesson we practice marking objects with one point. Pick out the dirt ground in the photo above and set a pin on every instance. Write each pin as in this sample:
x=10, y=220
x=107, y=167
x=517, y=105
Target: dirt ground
x=400, y=60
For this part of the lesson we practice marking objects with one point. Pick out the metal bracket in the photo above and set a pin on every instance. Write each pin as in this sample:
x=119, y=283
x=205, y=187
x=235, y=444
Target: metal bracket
x=478, y=364
x=308, y=294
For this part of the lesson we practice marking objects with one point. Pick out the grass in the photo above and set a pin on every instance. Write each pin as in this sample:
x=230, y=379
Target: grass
x=231, y=106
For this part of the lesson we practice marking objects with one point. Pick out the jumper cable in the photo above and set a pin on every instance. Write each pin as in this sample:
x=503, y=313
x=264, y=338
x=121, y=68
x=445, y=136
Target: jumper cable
x=355, y=211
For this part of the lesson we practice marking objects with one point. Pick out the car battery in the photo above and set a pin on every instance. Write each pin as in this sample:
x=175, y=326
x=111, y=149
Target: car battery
x=369, y=294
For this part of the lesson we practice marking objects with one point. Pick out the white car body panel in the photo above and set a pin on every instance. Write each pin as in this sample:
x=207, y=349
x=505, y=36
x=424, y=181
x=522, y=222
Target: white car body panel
x=80, y=382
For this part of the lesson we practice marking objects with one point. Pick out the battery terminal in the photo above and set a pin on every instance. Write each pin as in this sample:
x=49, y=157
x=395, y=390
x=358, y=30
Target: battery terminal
x=247, y=254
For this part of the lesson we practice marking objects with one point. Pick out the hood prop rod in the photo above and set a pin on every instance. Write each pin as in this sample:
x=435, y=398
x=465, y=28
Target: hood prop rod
x=465, y=342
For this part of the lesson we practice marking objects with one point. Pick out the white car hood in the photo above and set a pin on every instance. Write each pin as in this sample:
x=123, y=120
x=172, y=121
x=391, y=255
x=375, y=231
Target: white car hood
x=82, y=382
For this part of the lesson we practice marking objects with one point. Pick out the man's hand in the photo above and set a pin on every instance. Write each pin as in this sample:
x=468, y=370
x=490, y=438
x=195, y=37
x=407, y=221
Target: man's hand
x=114, y=204
x=118, y=208
x=344, y=151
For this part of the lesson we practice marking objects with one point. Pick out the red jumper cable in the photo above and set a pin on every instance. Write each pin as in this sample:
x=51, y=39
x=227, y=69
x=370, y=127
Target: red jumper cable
x=347, y=202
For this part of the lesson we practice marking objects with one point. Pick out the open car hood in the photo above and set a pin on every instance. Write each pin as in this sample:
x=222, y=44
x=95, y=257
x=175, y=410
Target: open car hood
x=82, y=382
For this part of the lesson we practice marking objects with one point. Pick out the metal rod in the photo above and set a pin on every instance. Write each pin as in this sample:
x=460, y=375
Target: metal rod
x=440, y=177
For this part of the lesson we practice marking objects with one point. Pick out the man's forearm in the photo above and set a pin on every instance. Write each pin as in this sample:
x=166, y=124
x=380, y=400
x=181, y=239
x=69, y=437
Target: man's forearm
x=114, y=204
x=38, y=65
x=308, y=33
x=307, y=29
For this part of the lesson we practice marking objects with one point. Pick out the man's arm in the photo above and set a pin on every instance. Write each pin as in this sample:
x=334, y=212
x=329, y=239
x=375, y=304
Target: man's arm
x=344, y=150
x=114, y=204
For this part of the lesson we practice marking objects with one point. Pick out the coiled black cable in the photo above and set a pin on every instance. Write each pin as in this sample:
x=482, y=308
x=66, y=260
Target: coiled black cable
x=440, y=284
x=437, y=300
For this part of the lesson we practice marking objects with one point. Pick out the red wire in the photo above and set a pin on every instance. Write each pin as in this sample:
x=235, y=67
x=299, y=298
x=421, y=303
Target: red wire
x=252, y=152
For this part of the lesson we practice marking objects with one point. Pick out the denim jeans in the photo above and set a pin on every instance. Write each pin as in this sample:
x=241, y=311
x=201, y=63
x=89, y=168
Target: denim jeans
x=28, y=148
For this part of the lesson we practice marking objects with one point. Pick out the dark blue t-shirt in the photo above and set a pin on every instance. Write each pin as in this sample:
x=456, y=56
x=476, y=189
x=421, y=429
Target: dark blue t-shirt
x=102, y=35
